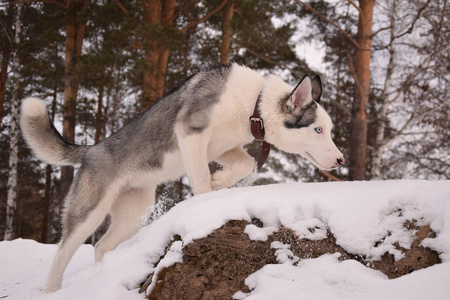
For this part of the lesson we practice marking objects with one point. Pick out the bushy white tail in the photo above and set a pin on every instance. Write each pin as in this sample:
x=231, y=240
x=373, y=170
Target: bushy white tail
x=43, y=138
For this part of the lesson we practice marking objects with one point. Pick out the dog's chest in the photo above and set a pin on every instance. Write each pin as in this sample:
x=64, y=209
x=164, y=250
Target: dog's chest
x=229, y=129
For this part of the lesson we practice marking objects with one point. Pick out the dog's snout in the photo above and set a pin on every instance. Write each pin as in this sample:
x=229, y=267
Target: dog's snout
x=340, y=161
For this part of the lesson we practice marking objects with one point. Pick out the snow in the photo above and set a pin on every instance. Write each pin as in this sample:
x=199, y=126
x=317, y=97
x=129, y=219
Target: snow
x=256, y=233
x=328, y=278
x=359, y=214
x=283, y=253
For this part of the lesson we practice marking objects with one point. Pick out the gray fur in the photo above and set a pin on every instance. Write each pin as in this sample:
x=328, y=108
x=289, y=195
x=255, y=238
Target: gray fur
x=304, y=118
x=155, y=125
x=199, y=96
x=88, y=187
x=139, y=146
x=316, y=88
x=42, y=136
x=306, y=115
x=125, y=150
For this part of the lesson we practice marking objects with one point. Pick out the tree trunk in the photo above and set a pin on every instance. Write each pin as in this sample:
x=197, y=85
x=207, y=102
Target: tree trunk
x=3, y=76
x=157, y=55
x=358, y=140
x=46, y=209
x=6, y=55
x=382, y=114
x=48, y=184
x=163, y=55
x=74, y=40
x=11, y=201
x=226, y=34
x=99, y=123
x=152, y=17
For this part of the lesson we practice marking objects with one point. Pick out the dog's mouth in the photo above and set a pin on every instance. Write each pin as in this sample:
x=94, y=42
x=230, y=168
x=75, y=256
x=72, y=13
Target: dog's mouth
x=314, y=161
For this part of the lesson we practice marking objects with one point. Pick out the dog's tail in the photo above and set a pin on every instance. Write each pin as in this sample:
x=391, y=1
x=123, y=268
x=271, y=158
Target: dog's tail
x=42, y=136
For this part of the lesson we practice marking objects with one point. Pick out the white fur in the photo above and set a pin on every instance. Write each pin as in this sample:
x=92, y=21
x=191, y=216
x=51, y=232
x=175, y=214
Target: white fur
x=221, y=141
x=33, y=107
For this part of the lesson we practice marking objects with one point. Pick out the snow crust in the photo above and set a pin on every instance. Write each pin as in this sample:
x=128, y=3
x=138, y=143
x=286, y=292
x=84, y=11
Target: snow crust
x=256, y=233
x=359, y=214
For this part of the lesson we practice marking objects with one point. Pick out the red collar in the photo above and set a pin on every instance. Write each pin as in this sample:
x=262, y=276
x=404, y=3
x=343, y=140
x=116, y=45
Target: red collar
x=258, y=132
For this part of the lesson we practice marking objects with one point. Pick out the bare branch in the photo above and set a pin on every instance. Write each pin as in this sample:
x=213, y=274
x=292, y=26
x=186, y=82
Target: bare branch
x=122, y=8
x=178, y=9
x=355, y=6
x=380, y=30
x=342, y=108
x=269, y=60
x=322, y=17
x=195, y=23
x=414, y=116
x=330, y=176
x=423, y=66
x=419, y=132
x=353, y=73
x=413, y=23
x=8, y=32
x=419, y=69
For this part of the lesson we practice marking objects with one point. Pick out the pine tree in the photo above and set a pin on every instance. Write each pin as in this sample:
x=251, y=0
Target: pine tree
x=7, y=40
x=359, y=123
x=75, y=29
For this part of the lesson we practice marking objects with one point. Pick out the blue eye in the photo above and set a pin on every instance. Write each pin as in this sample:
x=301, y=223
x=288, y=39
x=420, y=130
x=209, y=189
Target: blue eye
x=318, y=129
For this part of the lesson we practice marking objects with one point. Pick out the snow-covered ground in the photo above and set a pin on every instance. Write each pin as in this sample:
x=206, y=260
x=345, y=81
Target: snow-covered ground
x=357, y=213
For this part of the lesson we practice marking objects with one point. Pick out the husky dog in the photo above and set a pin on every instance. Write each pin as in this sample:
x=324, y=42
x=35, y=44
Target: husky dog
x=205, y=118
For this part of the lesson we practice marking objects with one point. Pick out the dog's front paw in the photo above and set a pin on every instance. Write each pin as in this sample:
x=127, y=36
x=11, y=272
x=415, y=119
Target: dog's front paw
x=221, y=180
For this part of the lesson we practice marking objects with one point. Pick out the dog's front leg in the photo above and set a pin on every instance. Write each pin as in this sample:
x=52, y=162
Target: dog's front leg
x=237, y=164
x=194, y=148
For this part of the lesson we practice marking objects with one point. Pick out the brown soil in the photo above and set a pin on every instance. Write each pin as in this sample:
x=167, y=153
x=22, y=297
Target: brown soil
x=415, y=258
x=216, y=266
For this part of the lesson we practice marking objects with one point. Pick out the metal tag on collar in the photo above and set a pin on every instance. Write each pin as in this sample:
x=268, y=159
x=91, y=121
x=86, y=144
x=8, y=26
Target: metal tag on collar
x=261, y=123
x=257, y=128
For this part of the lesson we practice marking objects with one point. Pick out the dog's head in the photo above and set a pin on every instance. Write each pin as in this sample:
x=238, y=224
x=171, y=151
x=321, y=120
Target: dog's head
x=305, y=127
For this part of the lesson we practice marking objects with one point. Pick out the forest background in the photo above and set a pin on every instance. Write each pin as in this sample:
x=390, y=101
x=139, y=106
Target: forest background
x=384, y=64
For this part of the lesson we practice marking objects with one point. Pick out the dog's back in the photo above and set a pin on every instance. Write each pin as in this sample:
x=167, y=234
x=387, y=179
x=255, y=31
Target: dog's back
x=152, y=131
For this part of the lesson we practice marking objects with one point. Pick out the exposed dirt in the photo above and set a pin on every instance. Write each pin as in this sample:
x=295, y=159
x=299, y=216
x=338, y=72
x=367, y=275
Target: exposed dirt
x=415, y=258
x=215, y=267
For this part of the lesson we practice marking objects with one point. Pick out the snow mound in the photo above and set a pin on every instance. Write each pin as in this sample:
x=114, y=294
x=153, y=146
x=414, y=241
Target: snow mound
x=360, y=215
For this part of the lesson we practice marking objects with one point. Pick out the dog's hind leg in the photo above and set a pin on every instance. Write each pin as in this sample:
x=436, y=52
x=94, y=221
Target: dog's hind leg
x=237, y=164
x=128, y=215
x=86, y=207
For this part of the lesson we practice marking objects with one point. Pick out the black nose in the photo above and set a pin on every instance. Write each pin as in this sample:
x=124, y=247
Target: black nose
x=340, y=161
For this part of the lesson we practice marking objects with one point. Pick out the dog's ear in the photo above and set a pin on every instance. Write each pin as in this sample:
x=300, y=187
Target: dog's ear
x=316, y=88
x=301, y=95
